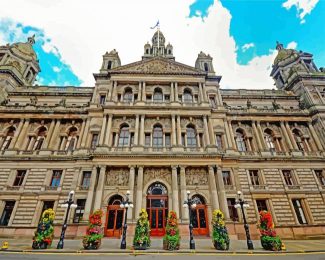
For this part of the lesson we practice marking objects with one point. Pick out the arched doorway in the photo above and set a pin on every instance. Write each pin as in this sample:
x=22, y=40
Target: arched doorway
x=157, y=208
x=114, y=217
x=200, y=217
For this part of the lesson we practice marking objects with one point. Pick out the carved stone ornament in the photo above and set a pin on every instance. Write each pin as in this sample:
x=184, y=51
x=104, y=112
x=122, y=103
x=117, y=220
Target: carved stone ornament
x=157, y=66
x=152, y=173
x=150, y=122
x=196, y=176
x=119, y=121
x=117, y=177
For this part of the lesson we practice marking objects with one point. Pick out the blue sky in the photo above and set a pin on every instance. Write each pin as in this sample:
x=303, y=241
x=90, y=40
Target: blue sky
x=239, y=34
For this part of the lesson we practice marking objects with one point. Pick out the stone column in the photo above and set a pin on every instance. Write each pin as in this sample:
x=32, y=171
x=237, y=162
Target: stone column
x=183, y=193
x=232, y=135
x=55, y=134
x=176, y=91
x=204, y=92
x=131, y=189
x=211, y=132
x=206, y=130
x=22, y=135
x=172, y=95
x=17, y=133
x=228, y=135
x=142, y=131
x=179, y=131
x=286, y=136
x=90, y=194
x=100, y=188
x=84, y=137
x=49, y=135
x=261, y=135
x=315, y=137
x=110, y=92
x=293, y=141
x=136, y=134
x=259, y=144
x=175, y=190
x=144, y=97
x=140, y=91
x=213, y=189
x=138, y=204
x=114, y=97
x=173, y=131
x=201, y=93
x=81, y=133
x=222, y=194
x=108, y=138
x=102, y=131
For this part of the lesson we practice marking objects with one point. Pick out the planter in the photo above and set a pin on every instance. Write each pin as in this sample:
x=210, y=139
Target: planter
x=220, y=246
x=92, y=245
x=39, y=245
x=167, y=245
x=141, y=246
x=270, y=243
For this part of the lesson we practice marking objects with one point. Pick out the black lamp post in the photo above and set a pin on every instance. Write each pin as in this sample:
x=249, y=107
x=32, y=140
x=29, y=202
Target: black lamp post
x=125, y=204
x=67, y=204
x=242, y=204
x=190, y=204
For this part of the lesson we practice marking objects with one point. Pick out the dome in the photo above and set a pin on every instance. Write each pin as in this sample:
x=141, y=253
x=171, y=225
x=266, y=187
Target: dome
x=25, y=49
x=161, y=36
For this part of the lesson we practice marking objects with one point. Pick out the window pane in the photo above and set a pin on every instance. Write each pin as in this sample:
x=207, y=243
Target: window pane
x=299, y=211
x=6, y=214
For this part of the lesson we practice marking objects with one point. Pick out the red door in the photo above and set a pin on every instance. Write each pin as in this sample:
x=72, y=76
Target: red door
x=199, y=220
x=114, y=221
x=157, y=209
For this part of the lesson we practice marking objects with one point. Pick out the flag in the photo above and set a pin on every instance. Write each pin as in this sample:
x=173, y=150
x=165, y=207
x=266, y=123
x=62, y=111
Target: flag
x=157, y=24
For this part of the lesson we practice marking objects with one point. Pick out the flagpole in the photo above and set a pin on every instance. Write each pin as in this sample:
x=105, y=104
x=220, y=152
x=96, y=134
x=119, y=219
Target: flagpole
x=158, y=28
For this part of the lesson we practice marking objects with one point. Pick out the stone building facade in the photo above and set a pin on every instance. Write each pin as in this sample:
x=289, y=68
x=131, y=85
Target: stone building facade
x=158, y=128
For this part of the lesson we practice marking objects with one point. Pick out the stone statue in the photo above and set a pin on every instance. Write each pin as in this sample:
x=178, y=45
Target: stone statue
x=62, y=102
x=249, y=104
x=33, y=101
x=275, y=105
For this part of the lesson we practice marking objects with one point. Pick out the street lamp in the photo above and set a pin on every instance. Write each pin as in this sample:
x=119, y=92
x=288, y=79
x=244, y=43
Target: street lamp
x=67, y=204
x=190, y=204
x=242, y=204
x=126, y=203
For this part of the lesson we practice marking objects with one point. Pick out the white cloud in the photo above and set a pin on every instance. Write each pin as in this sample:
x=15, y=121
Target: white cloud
x=292, y=45
x=247, y=46
x=82, y=32
x=303, y=7
x=56, y=69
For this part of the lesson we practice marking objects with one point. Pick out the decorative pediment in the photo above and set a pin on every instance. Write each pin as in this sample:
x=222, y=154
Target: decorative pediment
x=158, y=65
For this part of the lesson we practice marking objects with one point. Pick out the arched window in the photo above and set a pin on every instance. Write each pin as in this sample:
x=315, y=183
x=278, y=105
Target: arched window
x=124, y=136
x=198, y=199
x=299, y=139
x=128, y=95
x=157, y=188
x=115, y=200
x=158, y=95
x=40, y=138
x=269, y=140
x=109, y=65
x=169, y=52
x=157, y=140
x=206, y=67
x=191, y=136
x=147, y=51
x=240, y=141
x=72, y=139
x=187, y=96
x=8, y=138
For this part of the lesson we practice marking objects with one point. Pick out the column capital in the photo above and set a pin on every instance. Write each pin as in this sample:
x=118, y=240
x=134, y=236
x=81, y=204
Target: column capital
x=131, y=167
x=174, y=167
x=140, y=166
x=212, y=166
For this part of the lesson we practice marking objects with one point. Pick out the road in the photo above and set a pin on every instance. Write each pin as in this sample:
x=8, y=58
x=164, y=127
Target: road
x=95, y=256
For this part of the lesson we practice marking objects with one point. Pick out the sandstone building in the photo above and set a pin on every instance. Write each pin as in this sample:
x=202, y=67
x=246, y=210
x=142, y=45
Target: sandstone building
x=158, y=128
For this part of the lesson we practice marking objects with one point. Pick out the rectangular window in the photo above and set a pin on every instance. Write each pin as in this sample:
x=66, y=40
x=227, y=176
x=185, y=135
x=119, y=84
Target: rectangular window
x=226, y=178
x=167, y=140
x=297, y=205
x=80, y=210
x=254, y=177
x=86, y=179
x=288, y=178
x=102, y=99
x=261, y=205
x=94, y=141
x=212, y=100
x=19, y=178
x=233, y=214
x=320, y=176
x=219, y=141
x=6, y=214
x=147, y=139
x=56, y=178
x=167, y=98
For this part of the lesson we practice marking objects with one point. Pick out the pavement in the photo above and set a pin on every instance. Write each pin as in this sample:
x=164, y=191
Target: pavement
x=203, y=246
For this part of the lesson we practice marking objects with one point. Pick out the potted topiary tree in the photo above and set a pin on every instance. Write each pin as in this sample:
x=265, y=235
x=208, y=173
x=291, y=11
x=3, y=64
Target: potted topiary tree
x=141, y=240
x=44, y=234
x=94, y=235
x=220, y=236
x=171, y=239
x=269, y=239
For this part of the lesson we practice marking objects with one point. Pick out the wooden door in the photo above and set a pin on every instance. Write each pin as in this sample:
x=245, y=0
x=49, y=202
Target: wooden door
x=157, y=208
x=114, y=221
x=199, y=220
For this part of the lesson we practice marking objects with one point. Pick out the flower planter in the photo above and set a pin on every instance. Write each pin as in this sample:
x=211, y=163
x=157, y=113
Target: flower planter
x=271, y=243
x=92, y=245
x=94, y=234
x=167, y=245
x=141, y=246
x=45, y=232
x=220, y=246
x=141, y=240
x=220, y=237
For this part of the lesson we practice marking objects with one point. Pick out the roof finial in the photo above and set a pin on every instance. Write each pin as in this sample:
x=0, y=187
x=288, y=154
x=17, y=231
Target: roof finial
x=31, y=40
x=279, y=46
